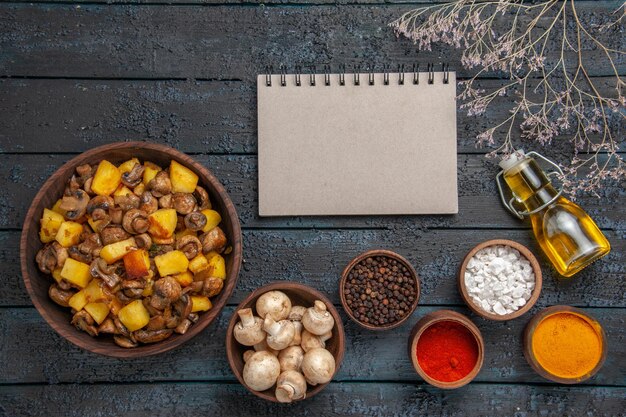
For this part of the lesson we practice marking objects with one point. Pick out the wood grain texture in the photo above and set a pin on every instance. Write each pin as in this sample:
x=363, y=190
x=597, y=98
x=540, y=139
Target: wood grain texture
x=479, y=204
x=225, y=42
x=192, y=116
x=317, y=257
x=363, y=399
x=369, y=356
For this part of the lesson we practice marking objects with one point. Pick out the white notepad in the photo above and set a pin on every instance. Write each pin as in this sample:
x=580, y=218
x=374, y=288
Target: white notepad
x=357, y=149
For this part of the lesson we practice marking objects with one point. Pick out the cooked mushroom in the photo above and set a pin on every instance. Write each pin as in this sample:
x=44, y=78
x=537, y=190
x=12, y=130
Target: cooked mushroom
x=202, y=197
x=135, y=221
x=190, y=245
x=181, y=308
x=212, y=286
x=133, y=288
x=214, y=239
x=75, y=204
x=83, y=321
x=195, y=221
x=116, y=214
x=60, y=296
x=84, y=171
x=107, y=326
x=51, y=256
x=91, y=245
x=184, y=203
x=166, y=291
x=148, y=203
x=100, y=269
x=87, y=186
x=101, y=219
x=133, y=177
x=75, y=253
x=165, y=201
x=160, y=184
x=124, y=341
x=143, y=241
x=152, y=336
x=158, y=249
x=112, y=234
x=102, y=202
x=183, y=326
x=127, y=201
x=180, y=223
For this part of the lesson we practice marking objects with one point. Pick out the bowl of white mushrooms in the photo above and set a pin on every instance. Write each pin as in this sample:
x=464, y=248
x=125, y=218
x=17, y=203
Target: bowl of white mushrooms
x=285, y=342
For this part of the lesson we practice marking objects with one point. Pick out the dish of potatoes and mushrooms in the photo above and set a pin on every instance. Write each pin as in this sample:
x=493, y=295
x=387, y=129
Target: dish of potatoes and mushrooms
x=134, y=250
x=288, y=346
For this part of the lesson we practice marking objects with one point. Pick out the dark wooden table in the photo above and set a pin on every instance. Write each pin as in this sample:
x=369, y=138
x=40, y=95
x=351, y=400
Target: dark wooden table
x=77, y=74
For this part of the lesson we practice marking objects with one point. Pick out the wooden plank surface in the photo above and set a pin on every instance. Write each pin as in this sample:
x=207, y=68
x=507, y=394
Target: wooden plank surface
x=317, y=258
x=226, y=42
x=370, y=356
x=362, y=399
x=479, y=203
x=193, y=116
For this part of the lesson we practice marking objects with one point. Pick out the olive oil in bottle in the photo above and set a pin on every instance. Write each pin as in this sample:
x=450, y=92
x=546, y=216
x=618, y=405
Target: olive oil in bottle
x=566, y=234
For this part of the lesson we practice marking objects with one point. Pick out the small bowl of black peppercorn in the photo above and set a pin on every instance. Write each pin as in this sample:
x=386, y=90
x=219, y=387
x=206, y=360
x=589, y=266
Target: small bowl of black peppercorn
x=379, y=289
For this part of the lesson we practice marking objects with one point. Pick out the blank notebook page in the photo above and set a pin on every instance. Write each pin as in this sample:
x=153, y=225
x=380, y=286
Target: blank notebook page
x=357, y=149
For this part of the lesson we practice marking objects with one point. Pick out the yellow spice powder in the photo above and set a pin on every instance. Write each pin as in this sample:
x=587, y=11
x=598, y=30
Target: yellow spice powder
x=567, y=345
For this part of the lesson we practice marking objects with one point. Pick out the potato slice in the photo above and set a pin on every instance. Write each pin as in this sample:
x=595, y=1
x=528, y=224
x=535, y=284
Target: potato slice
x=69, y=234
x=213, y=218
x=76, y=273
x=217, y=267
x=50, y=223
x=116, y=251
x=183, y=179
x=171, y=263
x=184, y=278
x=137, y=264
x=99, y=311
x=134, y=316
x=122, y=190
x=128, y=165
x=150, y=172
x=199, y=263
x=107, y=178
x=200, y=303
x=57, y=208
x=163, y=223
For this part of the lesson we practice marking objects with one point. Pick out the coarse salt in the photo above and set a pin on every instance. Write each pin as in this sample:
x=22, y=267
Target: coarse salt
x=499, y=279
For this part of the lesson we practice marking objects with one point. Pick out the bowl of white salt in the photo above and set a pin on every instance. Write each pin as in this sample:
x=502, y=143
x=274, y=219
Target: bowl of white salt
x=500, y=279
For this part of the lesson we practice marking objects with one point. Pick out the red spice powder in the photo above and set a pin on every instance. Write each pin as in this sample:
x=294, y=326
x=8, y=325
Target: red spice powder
x=447, y=351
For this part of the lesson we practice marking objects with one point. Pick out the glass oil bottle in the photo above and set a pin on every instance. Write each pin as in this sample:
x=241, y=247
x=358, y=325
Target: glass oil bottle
x=565, y=232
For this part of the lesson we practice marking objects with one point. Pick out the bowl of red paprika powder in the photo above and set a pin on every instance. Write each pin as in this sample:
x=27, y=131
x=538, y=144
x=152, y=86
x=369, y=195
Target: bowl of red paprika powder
x=446, y=349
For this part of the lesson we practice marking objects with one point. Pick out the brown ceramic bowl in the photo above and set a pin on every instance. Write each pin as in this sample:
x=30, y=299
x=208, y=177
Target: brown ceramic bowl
x=299, y=294
x=534, y=296
x=388, y=254
x=38, y=283
x=530, y=330
x=445, y=315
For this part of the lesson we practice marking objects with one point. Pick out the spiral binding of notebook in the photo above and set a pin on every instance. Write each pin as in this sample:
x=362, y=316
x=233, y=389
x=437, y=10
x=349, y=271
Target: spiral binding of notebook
x=356, y=75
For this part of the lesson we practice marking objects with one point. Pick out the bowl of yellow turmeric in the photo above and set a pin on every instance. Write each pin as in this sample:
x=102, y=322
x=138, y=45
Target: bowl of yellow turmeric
x=565, y=344
x=130, y=249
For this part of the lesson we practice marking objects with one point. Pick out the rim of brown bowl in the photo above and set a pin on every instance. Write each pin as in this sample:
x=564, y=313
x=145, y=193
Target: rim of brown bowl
x=532, y=326
x=534, y=296
x=446, y=315
x=58, y=317
x=389, y=254
x=234, y=351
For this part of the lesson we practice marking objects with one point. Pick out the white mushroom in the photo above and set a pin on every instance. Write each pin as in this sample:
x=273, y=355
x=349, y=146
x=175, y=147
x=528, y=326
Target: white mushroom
x=274, y=303
x=317, y=319
x=261, y=371
x=249, y=331
x=318, y=366
x=263, y=346
x=297, y=337
x=248, y=354
x=291, y=358
x=290, y=386
x=312, y=341
x=279, y=333
x=296, y=313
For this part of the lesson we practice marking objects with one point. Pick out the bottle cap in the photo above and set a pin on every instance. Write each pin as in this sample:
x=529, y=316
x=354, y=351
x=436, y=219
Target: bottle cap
x=511, y=160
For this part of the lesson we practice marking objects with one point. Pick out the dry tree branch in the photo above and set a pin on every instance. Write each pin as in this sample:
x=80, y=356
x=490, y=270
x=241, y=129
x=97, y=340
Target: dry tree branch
x=555, y=96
